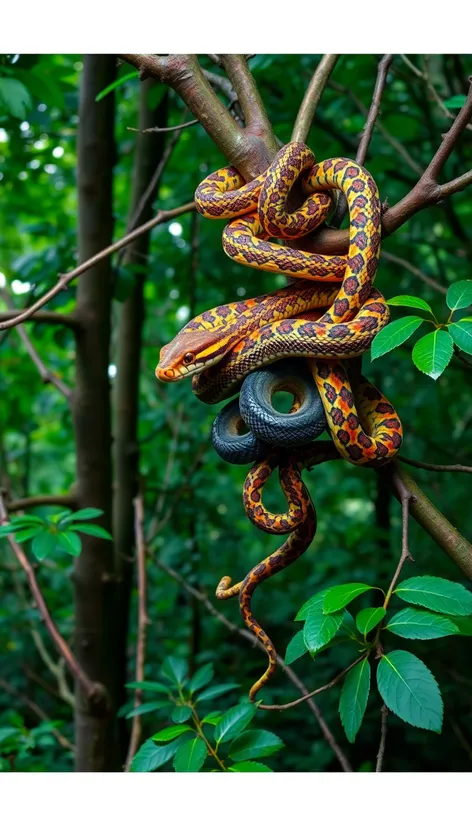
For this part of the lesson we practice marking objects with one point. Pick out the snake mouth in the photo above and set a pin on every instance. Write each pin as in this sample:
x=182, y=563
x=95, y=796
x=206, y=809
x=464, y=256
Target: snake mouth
x=168, y=374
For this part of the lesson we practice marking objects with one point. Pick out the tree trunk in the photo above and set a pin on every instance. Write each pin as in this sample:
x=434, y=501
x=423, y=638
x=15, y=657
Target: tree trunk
x=149, y=149
x=94, y=581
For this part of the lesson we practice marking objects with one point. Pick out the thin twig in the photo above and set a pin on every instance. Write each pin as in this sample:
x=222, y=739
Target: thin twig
x=161, y=217
x=402, y=262
x=176, y=128
x=367, y=131
x=308, y=106
x=242, y=632
x=47, y=376
x=437, y=468
x=65, y=501
x=331, y=683
x=382, y=73
x=406, y=498
x=383, y=739
x=40, y=714
x=91, y=690
x=45, y=317
x=143, y=622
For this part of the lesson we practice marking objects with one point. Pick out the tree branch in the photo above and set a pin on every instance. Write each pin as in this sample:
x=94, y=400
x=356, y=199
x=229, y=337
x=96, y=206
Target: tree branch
x=242, y=632
x=383, y=739
x=161, y=217
x=438, y=468
x=382, y=73
x=66, y=500
x=331, y=684
x=44, y=317
x=436, y=524
x=426, y=192
x=38, y=712
x=402, y=262
x=308, y=106
x=143, y=622
x=93, y=691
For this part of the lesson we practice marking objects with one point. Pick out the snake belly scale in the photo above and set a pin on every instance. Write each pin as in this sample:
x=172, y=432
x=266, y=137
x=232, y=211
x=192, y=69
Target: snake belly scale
x=328, y=317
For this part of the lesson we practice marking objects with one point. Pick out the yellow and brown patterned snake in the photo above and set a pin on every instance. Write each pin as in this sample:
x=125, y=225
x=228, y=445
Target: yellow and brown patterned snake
x=330, y=316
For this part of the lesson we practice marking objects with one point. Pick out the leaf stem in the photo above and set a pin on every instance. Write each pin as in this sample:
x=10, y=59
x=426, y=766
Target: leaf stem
x=200, y=733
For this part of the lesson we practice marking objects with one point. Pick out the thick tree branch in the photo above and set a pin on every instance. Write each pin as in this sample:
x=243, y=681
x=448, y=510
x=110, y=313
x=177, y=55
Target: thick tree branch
x=161, y=217
x=250, y=150
x=307, y=110
x=383, y=739
x=425, y=193
x=242, y=632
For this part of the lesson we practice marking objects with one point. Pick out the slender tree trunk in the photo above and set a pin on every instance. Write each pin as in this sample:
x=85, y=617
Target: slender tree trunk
x=149, y=149
x=95, y=637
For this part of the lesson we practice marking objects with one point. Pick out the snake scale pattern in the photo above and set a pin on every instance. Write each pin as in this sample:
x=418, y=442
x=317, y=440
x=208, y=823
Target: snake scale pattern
x=328, y=317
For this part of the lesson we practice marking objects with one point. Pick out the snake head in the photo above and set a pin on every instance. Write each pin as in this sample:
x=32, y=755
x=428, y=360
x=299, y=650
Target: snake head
x=188, y=354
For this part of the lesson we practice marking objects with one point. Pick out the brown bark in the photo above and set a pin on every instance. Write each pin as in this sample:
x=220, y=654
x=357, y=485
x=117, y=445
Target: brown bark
x=96, y=731
x=149, y=149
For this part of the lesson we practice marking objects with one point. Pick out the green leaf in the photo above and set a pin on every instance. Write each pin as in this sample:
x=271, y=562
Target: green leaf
x=455, y=102
x=296, y=648
x=410, y=301
x=41, y=87
x=8, y=731
x=92, y=530
x=464, y=626
x=28, y=533
x=44, y=544
x=256, y=743
x=28, y=520
x=234, y=721
x=408, y=688
x=459, y=295
x=116, y=83
x=320, y=629
x=202, y=677
x=84, y=513
x=313, y=603
x=216, y=691
x=175, y=670
x=250, y=766
x=394, y=334
x=145, y=708
x=414, y=624
x=437, y=594
x=368, y=618
x=213, y=718
x=70, y=542
x=190, y=756
x=14, y=98
x=147, y=685
x=150, y=757
x=461, y=332
x=180, y=714
x=432, y=353
x=340, y=595
x=170, y=733
x=353, y=700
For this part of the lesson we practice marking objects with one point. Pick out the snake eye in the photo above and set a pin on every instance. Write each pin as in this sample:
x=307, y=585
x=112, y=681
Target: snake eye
x=188, y=358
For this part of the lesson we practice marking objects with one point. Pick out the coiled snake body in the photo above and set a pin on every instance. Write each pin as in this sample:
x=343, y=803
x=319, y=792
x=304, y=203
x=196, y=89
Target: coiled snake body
x=330, y=316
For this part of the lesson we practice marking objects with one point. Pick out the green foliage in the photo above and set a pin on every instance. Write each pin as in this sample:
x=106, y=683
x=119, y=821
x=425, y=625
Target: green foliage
x=224, y=738
x=409, y=690
x=432, y=353
x=404, y=682
x=354, y=696
x=436, y=594
x=57, y=533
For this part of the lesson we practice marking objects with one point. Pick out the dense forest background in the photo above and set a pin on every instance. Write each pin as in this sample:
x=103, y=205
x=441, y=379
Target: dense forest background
x=84, y=422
